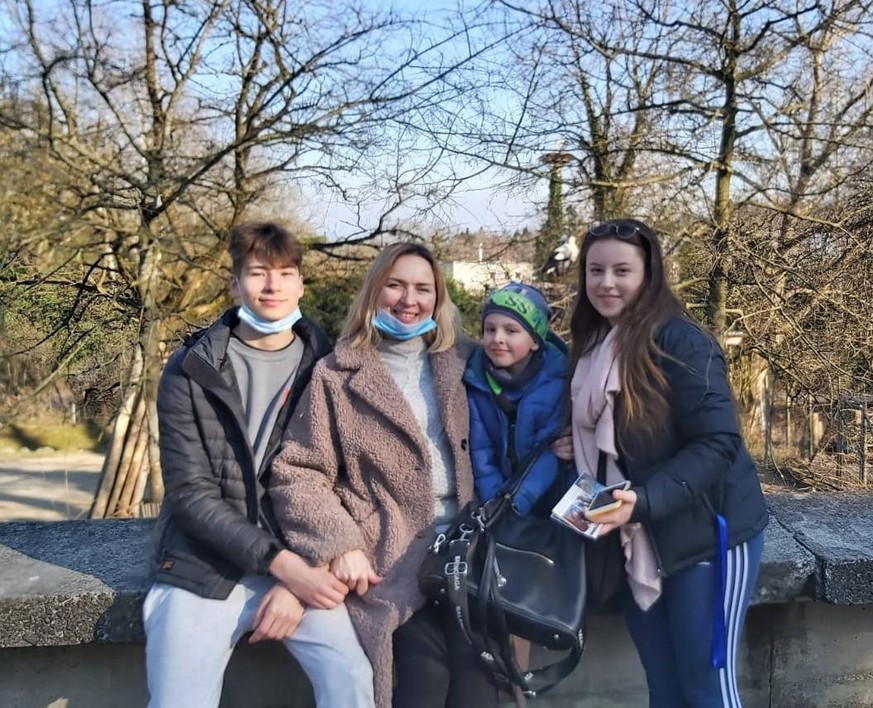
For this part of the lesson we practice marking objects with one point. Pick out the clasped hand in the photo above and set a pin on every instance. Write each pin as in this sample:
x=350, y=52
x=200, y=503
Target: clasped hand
x=278, y=615
x=281, y=609
x=355, y=570
x=314, y=586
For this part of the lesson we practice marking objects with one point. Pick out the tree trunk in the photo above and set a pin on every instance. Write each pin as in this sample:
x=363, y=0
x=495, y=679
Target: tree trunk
x=101, y=509
x=132, y=471
x=719, y=278
x=132, y=462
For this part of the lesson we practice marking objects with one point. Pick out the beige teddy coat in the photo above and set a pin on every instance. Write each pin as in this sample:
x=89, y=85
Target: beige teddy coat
x=355, y=473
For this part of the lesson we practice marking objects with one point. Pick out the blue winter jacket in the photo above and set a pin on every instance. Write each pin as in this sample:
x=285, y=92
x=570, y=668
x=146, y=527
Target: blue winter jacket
x=539, y=418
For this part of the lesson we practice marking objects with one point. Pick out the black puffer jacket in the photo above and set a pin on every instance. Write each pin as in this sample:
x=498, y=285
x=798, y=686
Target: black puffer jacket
x=217, y=523
x=698, y=464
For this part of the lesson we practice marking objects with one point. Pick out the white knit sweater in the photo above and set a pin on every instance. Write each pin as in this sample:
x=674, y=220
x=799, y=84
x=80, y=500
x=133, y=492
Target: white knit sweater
x=409, y=366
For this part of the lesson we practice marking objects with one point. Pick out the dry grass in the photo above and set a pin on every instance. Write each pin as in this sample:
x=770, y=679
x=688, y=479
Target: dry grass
x=822, y=473
x=63, y=438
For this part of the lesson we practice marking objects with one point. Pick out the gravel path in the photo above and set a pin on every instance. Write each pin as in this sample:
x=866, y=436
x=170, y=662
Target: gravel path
x=53, y=486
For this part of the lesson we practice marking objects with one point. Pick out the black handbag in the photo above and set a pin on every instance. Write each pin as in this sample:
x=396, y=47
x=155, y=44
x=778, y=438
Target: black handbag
x=502, y=574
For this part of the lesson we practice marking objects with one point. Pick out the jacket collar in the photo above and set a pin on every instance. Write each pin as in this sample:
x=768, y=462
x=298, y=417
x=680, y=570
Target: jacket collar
x=554, y=367
x=206, y=358
x=371, y=381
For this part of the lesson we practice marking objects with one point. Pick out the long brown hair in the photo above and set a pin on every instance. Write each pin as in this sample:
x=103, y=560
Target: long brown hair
x=644, y=387
x=358, y=328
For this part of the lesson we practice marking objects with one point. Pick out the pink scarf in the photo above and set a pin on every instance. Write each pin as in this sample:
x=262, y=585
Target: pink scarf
x=593, y=389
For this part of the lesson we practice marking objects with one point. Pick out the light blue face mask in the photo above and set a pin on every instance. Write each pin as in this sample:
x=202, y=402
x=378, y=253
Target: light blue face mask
x=389, y=325
x=259, y=324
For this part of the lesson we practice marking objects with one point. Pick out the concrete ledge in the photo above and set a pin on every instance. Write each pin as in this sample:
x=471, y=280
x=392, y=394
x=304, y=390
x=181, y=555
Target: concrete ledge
x=837, y=528
x=71, y=593
x=73, y=582
x=77, y=582
x=787, y=568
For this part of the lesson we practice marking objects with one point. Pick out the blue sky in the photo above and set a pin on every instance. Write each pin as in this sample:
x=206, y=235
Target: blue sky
x=481, y=205
x=482, y=201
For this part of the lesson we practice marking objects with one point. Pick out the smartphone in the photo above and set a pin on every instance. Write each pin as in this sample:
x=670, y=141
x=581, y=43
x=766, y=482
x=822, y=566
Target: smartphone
x=603, y=501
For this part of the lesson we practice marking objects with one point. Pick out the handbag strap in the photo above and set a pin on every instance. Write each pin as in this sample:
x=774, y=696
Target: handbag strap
x=525, y=467
x=601, y=467
x=455, y=570
x=461, y=552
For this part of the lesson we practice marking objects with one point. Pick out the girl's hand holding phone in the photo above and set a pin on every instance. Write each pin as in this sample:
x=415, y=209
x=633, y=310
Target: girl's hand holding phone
x=616, y=516
x=603, y=500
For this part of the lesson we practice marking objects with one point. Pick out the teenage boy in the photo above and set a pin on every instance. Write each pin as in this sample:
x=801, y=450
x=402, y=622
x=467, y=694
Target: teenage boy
x=223, y=402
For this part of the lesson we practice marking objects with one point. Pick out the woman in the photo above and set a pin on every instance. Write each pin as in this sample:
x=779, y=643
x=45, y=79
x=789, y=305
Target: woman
x=650, y=391
x=375, y=460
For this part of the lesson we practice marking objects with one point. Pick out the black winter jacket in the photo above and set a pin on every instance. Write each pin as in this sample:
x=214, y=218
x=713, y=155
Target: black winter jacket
x=216, y=523
x=699, y=463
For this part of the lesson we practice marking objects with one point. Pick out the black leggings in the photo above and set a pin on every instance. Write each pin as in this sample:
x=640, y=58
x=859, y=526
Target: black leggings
x=436, y=667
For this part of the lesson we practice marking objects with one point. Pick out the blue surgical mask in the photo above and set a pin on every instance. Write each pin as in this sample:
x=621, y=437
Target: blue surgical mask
x=259, y=324
x=389, y=325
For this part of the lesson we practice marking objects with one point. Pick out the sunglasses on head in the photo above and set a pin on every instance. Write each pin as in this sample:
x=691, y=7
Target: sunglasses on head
x=622, y=231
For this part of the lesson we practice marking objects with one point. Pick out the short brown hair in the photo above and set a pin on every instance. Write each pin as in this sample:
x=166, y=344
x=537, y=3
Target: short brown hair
x=358, y=329
x=267, y=241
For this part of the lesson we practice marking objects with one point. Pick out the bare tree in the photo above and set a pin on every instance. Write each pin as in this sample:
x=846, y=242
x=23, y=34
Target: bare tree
x=557, y=85
x=672, y=106
x=172, y=119
x=815, y=110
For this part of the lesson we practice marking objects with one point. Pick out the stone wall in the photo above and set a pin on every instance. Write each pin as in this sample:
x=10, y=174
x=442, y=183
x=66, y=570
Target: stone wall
x=71, y=634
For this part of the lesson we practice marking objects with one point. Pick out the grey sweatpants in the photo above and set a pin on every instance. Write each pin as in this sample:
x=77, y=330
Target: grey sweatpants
x=190, y=639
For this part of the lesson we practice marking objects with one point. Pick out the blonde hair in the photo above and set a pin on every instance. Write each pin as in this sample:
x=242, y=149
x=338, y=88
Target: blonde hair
x=358, y=329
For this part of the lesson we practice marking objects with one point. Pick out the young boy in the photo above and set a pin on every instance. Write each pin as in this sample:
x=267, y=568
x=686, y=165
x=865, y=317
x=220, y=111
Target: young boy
x=223, y=402
x=516, y=383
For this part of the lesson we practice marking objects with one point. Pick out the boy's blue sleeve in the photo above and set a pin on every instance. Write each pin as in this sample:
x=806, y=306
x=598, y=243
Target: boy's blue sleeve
x=539, y=480
x=544, y=422
x=484, y=454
